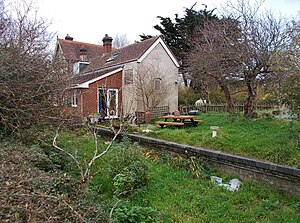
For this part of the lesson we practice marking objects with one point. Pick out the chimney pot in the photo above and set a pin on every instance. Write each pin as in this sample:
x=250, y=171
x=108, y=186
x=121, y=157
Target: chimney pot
x=107, y=43
x=68, y=37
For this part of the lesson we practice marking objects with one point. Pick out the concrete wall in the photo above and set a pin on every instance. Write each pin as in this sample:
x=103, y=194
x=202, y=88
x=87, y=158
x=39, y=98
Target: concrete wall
x=277, y=176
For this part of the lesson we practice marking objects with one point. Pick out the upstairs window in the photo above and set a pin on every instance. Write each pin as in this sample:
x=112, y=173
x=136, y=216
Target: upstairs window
x=157, y=84
x=128, y=76
x=79, y=66
x=113, y=56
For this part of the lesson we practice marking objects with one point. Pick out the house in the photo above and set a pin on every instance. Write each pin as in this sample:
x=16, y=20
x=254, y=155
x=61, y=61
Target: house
x=113, y=82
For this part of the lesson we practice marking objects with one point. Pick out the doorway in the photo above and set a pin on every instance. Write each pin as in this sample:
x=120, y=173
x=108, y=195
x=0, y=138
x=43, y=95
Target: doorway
x=108, y=102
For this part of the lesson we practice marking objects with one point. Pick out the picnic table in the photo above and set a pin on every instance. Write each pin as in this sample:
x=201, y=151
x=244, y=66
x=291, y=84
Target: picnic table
x=178, y=120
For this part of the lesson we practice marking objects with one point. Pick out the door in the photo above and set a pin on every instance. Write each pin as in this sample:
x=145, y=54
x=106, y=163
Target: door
x=108, y=102
x=102, y=102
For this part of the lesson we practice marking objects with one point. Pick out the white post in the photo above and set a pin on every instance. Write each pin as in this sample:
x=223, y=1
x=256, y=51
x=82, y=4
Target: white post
x=214, y=130
x=214, y=133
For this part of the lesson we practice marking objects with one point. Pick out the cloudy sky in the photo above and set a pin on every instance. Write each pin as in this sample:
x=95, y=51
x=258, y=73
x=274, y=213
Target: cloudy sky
x=90, y=20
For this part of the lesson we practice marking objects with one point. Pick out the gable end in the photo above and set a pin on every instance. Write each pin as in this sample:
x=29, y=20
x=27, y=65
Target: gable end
x=166, y=48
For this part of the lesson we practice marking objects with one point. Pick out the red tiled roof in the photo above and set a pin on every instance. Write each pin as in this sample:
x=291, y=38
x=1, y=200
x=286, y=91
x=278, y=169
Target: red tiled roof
x=71, y=49
x=100, y=63
x=126, y=54
x=84, y=78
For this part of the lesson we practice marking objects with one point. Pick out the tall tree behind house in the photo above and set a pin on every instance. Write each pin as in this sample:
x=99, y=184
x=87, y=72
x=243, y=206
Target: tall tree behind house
x=175, y=32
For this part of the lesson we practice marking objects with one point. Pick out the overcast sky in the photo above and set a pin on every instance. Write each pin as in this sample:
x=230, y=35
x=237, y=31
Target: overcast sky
x=90, y=20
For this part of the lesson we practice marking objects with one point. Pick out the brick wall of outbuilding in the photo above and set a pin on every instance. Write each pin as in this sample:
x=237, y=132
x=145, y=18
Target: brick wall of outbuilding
x=88, y=98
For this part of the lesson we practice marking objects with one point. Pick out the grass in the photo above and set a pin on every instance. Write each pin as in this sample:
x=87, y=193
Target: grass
x=179, y=196
x=178, y=189
x=267, y=139
x=182, y=198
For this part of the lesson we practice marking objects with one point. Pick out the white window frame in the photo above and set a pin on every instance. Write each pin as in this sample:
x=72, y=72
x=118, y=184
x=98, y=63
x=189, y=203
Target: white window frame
x=76, y=66
x=74, y=99
x=108, y=102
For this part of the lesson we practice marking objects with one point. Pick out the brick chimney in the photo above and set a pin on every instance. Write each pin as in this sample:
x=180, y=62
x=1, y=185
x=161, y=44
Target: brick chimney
x=107, y=43
x=83, y=53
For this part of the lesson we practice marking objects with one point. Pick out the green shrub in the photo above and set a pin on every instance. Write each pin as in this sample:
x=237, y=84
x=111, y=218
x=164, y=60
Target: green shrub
x=128, y=213
x=187, y=96
x=130, y=179
x=194, y=165
x=124, y=184
x=60, y=185
x=128, y=169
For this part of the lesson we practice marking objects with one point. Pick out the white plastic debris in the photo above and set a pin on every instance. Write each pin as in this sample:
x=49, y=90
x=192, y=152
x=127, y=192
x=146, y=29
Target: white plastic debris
x=147, y=130
x=217, y=180
x=232, y=185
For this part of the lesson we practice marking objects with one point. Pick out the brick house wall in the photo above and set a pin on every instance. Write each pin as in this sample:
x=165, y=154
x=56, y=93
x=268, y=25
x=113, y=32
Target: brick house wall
x=111, y=69
x=87, y=99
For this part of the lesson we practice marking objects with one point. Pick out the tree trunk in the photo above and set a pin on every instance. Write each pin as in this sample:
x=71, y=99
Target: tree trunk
x=229, y=101
x=249, y=105
x=184, y=78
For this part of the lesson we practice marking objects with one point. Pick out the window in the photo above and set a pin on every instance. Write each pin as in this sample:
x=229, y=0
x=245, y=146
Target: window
x=102, y=103
x=74, y=98
x=157, y=84
x=66, y=99
x=113, y=56
x=79, y=66
x=128, y=76
x=108, y=102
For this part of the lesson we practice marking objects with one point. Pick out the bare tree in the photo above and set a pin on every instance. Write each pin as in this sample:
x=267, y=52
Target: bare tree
x=285, y=64
x=150, y=85
x=215, y=56
x=263, y=35
x=30, y=88
x=120, y=41
x=3, y=19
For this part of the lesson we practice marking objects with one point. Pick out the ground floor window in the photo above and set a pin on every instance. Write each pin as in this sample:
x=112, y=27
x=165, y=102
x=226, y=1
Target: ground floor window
x=74, y=100
x=108, y=102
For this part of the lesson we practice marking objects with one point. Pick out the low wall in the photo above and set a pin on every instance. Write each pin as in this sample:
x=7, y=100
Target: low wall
x=279, y=176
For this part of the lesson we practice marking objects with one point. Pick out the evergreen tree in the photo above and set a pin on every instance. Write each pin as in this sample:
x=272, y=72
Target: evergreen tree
x=176, y=32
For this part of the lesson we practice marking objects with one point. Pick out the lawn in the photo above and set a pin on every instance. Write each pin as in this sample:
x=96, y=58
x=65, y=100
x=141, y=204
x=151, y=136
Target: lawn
x=181, y=198
x=173, y=189
x=177, y=194
x=269, y=139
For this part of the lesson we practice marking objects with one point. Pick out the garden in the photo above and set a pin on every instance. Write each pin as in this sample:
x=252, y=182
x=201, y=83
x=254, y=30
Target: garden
x=134, y=184
x=55, y=168
x=266, y=138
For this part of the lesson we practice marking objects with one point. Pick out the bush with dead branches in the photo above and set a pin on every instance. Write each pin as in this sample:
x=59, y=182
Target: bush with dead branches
x=29, y=194
x=30, y=88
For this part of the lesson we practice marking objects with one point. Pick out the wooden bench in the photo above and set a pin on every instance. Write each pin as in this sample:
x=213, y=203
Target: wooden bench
x=192, y=123
x=162, y=124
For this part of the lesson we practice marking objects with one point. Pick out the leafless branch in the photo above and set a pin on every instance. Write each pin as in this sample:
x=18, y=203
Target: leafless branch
x=54, y=143
x=86, y=167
